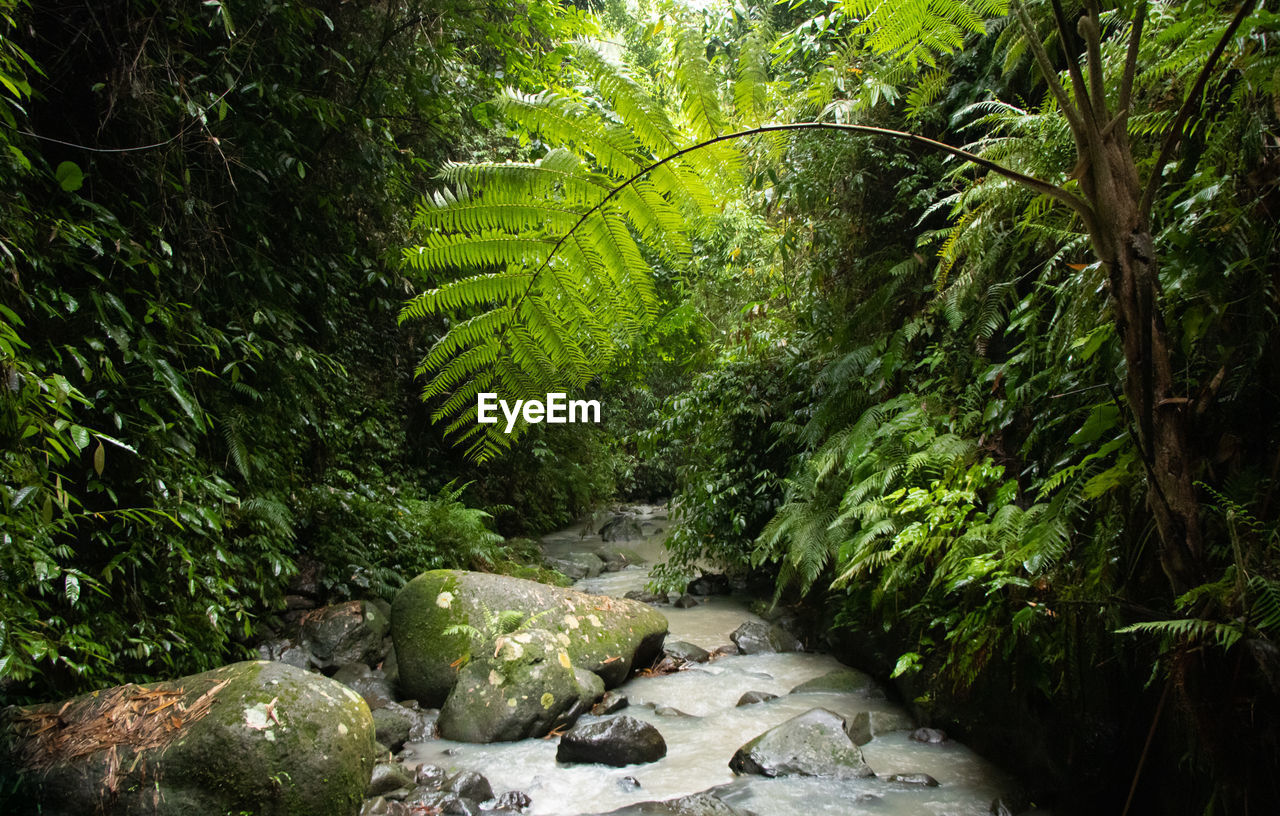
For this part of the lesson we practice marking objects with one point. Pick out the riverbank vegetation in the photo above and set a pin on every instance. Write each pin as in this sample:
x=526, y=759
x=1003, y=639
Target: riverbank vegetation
x=954, y=320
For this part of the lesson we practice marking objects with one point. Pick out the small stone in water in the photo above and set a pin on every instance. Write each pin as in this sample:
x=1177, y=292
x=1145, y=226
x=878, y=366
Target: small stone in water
x=685, y=601
x=629, y=783
x=922, y=779
x=517, y=801
x=430, y=776
x=932, y=736
x=753, y=697
x=471, y=785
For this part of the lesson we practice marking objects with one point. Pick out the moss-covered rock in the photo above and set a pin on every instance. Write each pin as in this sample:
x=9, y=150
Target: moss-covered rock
x=811, y=744
x=259, y=738
x=524, y=688
x=607, y=636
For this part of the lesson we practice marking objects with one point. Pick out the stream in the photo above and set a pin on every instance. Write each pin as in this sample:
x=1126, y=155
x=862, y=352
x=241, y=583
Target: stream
x=707, y=727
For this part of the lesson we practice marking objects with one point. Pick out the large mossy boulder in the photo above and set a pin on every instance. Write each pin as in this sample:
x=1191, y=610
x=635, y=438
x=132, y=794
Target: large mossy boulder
x=811, y=744
x=258, y=737
x=607, y=636
x=523, y=688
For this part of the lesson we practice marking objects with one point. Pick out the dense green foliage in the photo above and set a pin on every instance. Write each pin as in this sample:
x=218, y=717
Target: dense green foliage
x=1003, y=400
x=943, y=407
x=204, y=381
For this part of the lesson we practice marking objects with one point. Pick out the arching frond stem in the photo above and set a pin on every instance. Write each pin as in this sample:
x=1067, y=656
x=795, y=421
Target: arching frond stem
x=1039, y=185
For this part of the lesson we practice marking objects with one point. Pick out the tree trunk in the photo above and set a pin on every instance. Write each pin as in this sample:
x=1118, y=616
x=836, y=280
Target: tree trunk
x=1122, y=241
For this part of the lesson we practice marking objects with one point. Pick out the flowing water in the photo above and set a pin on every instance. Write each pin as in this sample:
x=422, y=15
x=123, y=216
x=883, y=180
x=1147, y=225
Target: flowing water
x=706, y=727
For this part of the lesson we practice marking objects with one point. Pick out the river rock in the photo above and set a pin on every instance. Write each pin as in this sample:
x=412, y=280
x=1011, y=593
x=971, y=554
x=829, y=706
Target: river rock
x=647, y=597
x=350, y=632
x=922, y=780
x=371, y=684
x=698, y=804
x=524, y=689
x=685, y=601
x=607, y=636
x=616, y=741
x=621, y=528
x=866, y=725
x=610, y=702
x=931, y=736
x=258, y=737
x=811, y=744
x=709, y=584
x=286, y=651
x=577, y=565
x=431, y=777
x=753, y=697
x=388, y=776
x=471, y=785
x=513, y=801
x=754, y=637
x=686, y=652
x=397, y=724
x=840, y=681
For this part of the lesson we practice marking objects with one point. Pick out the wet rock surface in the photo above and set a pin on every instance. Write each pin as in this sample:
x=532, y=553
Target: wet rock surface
x=607, y=636
x=867, y=725
x=810, y=744
x=616, y=741
x=754, y=637
x=350, y=632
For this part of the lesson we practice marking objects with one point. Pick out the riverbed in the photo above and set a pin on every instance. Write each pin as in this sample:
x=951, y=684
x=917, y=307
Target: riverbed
x=696, y=711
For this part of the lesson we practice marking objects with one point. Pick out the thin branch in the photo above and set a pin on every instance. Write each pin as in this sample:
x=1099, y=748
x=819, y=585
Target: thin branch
x=1065, y=40
x=1052, y=190
x=1091, y=30
x=1131, y=60
x=1189, y=105
x=1050, y=75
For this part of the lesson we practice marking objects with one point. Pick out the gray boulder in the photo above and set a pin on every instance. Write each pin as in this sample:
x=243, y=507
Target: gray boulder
x=371, y=684
x=397, y=724
x=867, y=725
x=286, y=651
x=621, y=528
x=388, y=776
x=350, y=632
x=612, y=702
x=607, y=636
x=523, y=688
x=698, y=804
x=686, y=652
x=810, y=744
x=577, y=565
x=616, y=741
x=754, y=637
x=932, y=736
x=842, y=681
x=685, y=601
x=259, y=737
x=753, y=697
x=919, y=780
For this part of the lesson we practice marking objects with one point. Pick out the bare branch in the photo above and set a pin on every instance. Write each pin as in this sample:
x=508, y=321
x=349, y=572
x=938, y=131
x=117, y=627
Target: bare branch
x=1091, y=30
x=1073, y=64
x=1131, y=60
x=1189, y=105
x=1050, y=75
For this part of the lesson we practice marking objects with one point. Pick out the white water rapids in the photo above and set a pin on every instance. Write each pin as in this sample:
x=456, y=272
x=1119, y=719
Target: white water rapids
x=702, y=738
